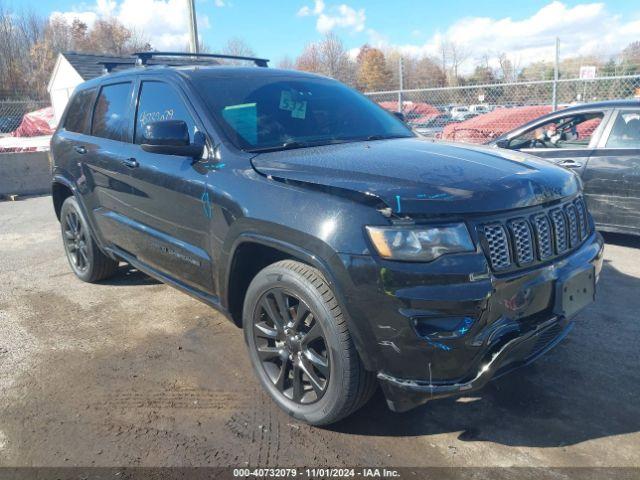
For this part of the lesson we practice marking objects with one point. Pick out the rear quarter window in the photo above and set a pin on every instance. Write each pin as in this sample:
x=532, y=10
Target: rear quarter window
x=111, y=113
x=78, y=111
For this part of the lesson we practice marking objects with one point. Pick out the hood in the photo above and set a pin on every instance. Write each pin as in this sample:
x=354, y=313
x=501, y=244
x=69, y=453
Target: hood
x=418, y=176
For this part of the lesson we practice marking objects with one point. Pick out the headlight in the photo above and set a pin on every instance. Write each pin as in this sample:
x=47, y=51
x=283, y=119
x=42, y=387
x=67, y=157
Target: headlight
x=420, y=244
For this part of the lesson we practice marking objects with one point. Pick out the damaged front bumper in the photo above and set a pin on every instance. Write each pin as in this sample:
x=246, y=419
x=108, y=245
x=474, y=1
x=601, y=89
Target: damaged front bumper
x=403, y=395
x=436, y=330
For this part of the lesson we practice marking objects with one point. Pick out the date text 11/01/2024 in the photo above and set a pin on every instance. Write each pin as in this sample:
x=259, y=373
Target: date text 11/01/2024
x=316, y=472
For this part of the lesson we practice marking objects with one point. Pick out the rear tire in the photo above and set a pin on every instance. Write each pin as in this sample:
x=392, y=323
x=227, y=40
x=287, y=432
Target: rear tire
x=86, y=259
x=306, y=361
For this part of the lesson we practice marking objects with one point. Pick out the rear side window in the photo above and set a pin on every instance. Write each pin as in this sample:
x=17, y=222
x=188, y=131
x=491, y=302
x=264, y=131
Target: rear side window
x=111, y=113
x=78, y=113
x=158, y=101
x=626, y=130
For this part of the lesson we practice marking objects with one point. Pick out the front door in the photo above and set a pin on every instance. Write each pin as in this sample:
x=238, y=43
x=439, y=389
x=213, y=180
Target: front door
x=565, y=140
x=170, y=214
x=612, y=177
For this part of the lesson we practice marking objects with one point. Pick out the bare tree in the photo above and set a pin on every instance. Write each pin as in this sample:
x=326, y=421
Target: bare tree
x=286, y=63
x=457, y=56
x=327, y=57
x=237, y=47
x=508, y=69
x=310, y=59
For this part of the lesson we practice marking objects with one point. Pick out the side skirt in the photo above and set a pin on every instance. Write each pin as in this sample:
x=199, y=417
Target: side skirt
x=211, y=300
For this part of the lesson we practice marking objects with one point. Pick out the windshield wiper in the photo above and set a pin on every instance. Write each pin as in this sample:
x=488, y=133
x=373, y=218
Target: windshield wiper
x=386, y=137
x=284, y=146
x=318, y=143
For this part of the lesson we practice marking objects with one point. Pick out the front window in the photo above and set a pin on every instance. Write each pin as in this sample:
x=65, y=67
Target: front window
x=278, y=112
x=570, y=131
x=159, y=101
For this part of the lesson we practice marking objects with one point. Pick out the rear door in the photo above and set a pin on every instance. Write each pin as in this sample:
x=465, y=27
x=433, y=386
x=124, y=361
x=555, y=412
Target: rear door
x=612, y=177
x=106, y=152
x=169, y=215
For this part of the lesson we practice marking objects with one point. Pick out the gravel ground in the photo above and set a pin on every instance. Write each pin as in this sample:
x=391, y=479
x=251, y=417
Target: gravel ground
x=131, y=372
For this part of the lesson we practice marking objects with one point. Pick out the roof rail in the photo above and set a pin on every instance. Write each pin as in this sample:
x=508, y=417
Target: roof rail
x=144, y=57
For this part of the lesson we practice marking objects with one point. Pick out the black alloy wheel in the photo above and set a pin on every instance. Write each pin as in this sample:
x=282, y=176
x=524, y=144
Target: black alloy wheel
x=75, y=241
x=88, y=262
x=291, y=346
x=300, y=346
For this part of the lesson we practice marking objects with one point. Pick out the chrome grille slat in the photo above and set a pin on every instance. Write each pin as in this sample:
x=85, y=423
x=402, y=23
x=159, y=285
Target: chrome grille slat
x=524, y=240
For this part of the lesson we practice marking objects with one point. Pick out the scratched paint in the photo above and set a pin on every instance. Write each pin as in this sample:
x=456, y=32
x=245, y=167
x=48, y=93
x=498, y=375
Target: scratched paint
x=206, y=204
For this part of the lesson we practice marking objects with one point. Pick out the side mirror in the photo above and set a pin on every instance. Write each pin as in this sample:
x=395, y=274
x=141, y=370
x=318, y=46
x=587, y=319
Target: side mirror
x=171, y=137
x=502, y=143
x=400, y=116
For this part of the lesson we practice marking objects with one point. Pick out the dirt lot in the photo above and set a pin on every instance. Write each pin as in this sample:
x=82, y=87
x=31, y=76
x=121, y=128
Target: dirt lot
x=132, y=372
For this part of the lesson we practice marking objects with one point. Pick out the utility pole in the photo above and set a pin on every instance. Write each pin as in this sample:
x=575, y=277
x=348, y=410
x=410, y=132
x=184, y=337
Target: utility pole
x=401, y=81
x=556, y=66
x=193, y=27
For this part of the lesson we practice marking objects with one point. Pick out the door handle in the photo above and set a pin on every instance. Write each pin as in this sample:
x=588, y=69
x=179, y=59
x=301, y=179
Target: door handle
x=81, y=149
x=130, y=162
x=570, y=163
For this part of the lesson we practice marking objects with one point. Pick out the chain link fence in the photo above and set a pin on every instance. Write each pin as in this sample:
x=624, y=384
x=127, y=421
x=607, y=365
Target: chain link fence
x=13, y=111
x=480, y=113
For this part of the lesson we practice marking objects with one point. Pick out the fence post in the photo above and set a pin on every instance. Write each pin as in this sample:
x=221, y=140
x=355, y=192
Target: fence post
x=401, y=81
x=554, y=100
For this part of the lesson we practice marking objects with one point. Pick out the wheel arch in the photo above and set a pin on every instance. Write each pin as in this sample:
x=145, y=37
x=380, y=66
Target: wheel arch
x=236, y=280
x=250, y=253
x=61, y=189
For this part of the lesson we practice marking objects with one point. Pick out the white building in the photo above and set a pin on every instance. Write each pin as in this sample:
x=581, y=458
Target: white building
x=73, y=68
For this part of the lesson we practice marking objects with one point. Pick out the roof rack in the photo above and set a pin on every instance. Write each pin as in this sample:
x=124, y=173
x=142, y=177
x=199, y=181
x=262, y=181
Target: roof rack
x=144, y=57
x=111, y=64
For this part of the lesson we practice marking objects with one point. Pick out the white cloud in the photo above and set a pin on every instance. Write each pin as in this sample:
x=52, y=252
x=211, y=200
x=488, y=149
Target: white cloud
x=86, y=17
x=585, y=29
x=336, y=16
x=317, y=9
x=163, y=22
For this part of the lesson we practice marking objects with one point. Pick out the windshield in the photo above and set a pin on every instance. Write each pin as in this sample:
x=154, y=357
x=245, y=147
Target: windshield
x=277, y=112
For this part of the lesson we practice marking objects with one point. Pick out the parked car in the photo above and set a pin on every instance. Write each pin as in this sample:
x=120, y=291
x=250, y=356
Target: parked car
x=479, y=109
x=460, y=113
x=432, y=127
x=601, y=143
x=9, y=123
x=351, y=252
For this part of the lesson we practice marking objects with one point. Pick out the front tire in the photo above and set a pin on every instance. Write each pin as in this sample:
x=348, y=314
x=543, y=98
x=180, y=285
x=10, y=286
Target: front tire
x=85, y=257
x=300, y=347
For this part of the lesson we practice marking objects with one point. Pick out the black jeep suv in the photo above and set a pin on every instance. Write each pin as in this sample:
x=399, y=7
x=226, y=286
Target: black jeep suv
x=351, y=252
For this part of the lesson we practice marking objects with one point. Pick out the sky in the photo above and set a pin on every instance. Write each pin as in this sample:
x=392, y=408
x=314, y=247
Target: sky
x=525, y=30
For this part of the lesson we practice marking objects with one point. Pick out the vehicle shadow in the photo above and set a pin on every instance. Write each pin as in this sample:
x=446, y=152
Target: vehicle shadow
x=622, y=240
x=126, y=275
x=581, y=390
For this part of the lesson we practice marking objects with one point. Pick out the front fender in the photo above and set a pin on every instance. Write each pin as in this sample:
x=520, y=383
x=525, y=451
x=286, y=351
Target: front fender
x=315, y=253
